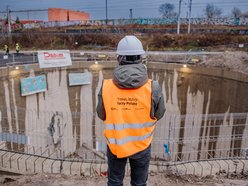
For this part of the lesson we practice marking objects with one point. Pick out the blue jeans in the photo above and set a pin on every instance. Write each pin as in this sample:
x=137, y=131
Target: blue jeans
x=139, y=164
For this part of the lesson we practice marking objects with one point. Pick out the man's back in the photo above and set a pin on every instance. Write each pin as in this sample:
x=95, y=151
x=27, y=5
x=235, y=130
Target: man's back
x=129, y=104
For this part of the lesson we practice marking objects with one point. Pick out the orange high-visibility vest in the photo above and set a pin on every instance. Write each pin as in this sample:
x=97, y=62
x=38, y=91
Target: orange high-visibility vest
x=128, y=127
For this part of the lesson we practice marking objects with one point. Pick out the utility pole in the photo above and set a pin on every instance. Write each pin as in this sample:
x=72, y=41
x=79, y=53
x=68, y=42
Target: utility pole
x=178, y=18
x=9, y=20
x=190, y=7
x=106, y=6
x=131, y=13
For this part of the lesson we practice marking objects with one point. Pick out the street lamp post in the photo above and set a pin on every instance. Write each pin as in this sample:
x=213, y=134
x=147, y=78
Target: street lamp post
x=178, y=17
x=190, y=7
x=9, y=20
x=106, y=11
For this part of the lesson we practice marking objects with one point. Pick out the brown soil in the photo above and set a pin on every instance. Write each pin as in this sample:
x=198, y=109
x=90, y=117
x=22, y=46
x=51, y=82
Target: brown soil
x=158, y=179
x=235, y=61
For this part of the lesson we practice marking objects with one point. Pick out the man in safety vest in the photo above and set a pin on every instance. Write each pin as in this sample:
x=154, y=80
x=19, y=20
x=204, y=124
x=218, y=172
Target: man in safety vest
x=6, y=49
x=129, y=104
x=17, y=48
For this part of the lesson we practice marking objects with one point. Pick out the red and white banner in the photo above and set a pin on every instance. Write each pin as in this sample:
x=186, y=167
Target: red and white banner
x=54, y=58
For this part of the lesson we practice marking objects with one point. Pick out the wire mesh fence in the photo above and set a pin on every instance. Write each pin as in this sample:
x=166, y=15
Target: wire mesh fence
x=202, y=137
x=186, y=141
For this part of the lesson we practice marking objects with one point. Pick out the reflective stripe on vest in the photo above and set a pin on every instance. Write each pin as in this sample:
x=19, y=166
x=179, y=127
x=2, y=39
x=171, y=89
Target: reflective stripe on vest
x=128, y=139
x=128, y=125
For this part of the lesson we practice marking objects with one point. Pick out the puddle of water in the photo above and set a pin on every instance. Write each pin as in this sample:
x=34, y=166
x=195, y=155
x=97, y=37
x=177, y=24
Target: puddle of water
x=62, y=118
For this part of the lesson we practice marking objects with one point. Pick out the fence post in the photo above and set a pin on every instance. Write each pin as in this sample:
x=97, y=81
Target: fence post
x=13, y=56
x=61, y=166
x=34, y=57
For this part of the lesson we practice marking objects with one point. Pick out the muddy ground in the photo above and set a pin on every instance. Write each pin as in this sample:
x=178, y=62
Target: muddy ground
x=156, y=179
x=235, y=61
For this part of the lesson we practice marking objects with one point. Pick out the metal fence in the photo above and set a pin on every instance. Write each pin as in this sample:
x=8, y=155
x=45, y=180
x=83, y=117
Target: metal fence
x=170, y=57
x=63, y=137
x=31, y=58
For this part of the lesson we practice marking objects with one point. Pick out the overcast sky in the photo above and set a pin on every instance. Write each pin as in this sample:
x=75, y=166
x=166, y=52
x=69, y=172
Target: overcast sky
x=117, y=8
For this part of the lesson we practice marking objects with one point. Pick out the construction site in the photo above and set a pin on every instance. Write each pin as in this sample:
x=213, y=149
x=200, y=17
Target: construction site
x=50, y=133
x=45, y=135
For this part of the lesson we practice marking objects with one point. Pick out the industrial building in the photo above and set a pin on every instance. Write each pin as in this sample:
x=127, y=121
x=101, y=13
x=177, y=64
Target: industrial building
x=60, y=14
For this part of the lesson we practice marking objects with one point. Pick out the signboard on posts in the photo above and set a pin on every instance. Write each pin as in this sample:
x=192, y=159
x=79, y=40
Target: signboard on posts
x=32, y=85
x=54, y=58
x=80, y=78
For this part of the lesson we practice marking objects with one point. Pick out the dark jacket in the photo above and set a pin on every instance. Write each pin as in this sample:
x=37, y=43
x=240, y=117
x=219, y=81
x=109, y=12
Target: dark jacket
x=130, y=77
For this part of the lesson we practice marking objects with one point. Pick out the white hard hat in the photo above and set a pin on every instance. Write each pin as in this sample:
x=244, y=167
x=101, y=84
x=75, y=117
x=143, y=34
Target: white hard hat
x=130, y=46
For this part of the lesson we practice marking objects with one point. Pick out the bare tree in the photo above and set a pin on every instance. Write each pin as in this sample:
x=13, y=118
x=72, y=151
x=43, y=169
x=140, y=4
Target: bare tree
x=167, y=10
x=212, y=11
x=245, y=15
x=17, y=20
x=236, y=12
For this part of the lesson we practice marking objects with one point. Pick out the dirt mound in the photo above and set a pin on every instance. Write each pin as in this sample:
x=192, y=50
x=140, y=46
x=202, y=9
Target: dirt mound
x=236, y=61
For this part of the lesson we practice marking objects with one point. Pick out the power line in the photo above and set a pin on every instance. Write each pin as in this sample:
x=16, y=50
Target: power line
x=120, y=7
x=143, y=3
x=29, y=10
x=120, y=4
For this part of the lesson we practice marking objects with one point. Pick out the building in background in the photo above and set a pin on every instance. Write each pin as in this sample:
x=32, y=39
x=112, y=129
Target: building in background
x=59, y=14
x=14, y=26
